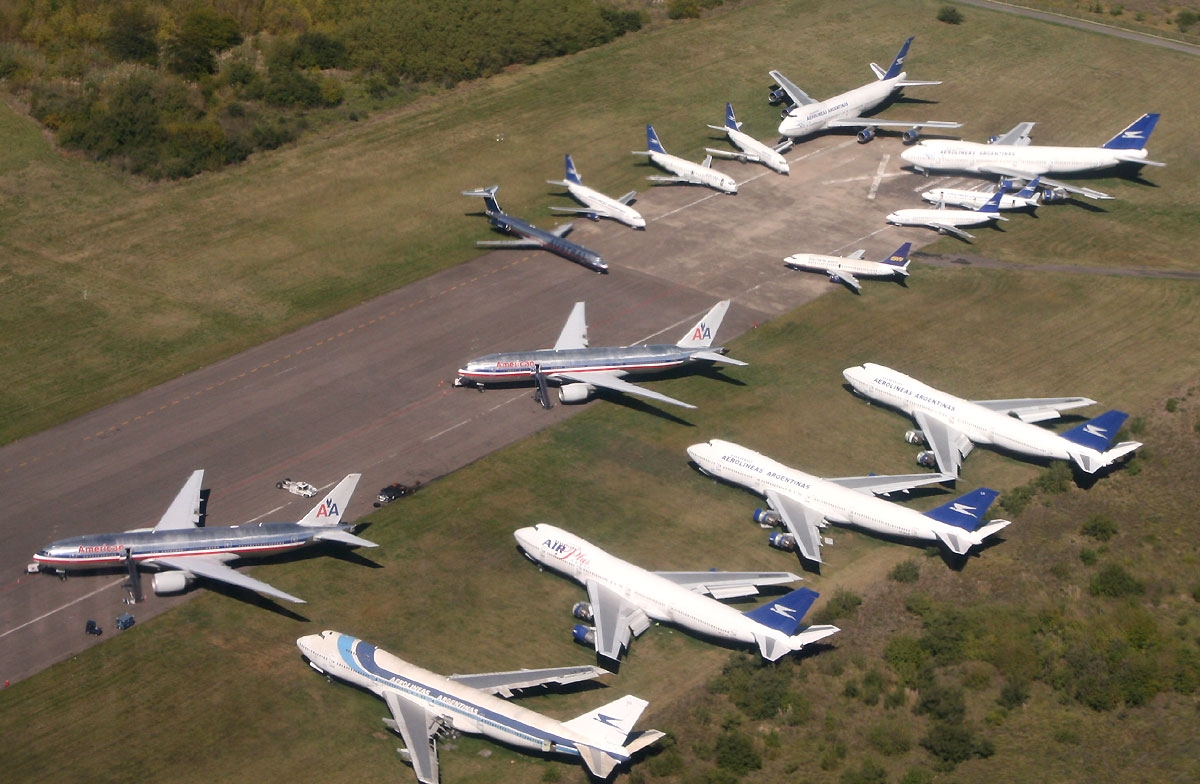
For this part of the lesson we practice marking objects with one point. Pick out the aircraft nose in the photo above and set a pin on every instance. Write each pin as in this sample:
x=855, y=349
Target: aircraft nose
x=526, y=538
x=698, y=452
x=854, y=375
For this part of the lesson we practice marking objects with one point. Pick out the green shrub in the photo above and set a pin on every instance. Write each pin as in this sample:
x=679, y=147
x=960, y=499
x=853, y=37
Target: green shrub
x=1099, y=527
x=906, y=656
x=841, y=605
x=1087, y=556
x=890, y=738
x=950, y=15
x=955, y=742
x=1112, y=580
x=908, y=571
x=1172, y=405
x=736, y=752
x=1013, y=694
x=868, y=772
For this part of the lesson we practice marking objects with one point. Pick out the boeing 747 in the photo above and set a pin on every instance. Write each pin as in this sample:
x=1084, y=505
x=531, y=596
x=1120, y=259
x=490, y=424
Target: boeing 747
x=751, y=150
x=684, y=172
x=533, y=237
x=597, y=205
x=845, y=269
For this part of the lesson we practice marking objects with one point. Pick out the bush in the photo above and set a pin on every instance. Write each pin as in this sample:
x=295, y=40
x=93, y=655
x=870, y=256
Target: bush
x=953, y=743
x=292, y=88
x=950, y=15
x=890, y=738
x=131, y=35
x=1112, y=580
x=906, y=657
x=735, y=752
x=841, y=605
x=868, y=772
x=905, y=572
x=941, y=702
x=1099, y=527
x=1013, y=694
x=1087, y=556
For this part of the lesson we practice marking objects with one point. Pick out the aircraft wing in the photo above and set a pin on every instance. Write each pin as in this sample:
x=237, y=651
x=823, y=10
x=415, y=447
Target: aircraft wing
x=613, y=382
x=727, y=585
x=1006, y=171
x=184, y=511
x=413, y=723
x=956, y=231
x=526, y=244
x=588, y=211
x=574, y=332
x=949, y=446
x=858, y=254
x=802, y=523
x=617, y=621
x=744, y=157
x=212, y=568
x=882, y=485
x=1035, y=409
x=1018, y=136
x=503, y=683
x=874, y=122
x=848, y=279
x=561, y=231
x=798, y=96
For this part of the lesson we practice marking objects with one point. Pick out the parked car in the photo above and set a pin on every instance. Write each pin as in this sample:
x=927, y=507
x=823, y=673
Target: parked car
x=297, y=487
x=394, y=491
x=124, y=621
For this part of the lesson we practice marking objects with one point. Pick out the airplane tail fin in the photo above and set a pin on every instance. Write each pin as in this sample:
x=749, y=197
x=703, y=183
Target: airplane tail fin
x=899, y=258
x=488, y=195
x=898, y=64
x=705, y=331
x=1031, y=188
x=785, y=613
x=1096, y=436
x=966, y=511
x=992, y=207
x=731, y=122
x=961, y=542
x=611, y=724
x=572, y=174
x=1135, y=136
x=333, y=506
x=652, y=142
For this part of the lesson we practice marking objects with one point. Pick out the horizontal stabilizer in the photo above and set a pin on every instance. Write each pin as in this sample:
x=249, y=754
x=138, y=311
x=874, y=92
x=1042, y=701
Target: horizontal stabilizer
x=712, y=356
x=345, y=537
x=1092, y=462
x=785, y=613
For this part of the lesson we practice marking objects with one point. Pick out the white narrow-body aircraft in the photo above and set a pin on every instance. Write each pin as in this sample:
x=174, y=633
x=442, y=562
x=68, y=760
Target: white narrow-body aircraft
x=182, y=550
x=1026, y=198
x=952, y=426
x=624, y=599
x=847, y=269
x=580, y=370
x=803, y=503
x=1012, y=155
x=751, y=150
x=684, y=172
x=424, y=704
x=804, y=115
x=945, y=221
x=596, y=204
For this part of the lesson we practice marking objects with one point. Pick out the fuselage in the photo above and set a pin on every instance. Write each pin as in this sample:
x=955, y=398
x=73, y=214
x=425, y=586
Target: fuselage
x=834, y=264
x=695, y=172
x=748, y=144
x=810, y=118
x=520, y=365
x=549, y=241
x=960, y=197
x=613, y=208
x=923, y=216
x=949, y=155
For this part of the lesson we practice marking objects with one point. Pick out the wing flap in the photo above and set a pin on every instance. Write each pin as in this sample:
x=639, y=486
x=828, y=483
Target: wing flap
x=1035, y=409
x=212, y=568
x=511, y=244
x=874, y=122
x=612, y=615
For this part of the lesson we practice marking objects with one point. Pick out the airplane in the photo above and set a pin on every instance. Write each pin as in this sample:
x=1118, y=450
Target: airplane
x=752, y=150
x=803, y=503
x=805, y=115
x=685, y=172
x=597, y=204
x=844, y=269
x=1012, y=155
x=1028, y=197
x=952, y=426
x=580, y=370
x=424, y=704
x=184, y=551
x=624, y=599
x=534, y=238
x=945, y=221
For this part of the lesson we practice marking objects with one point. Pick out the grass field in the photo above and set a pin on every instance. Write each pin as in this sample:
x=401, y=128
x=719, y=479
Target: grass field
x=216, y=691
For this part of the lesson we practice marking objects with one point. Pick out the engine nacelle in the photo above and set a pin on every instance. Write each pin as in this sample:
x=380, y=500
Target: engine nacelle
x=776, y=95
x=911, y=135
x=583, y=611
x=782, y=541
x=584, y=635
x=915, y=437
x=767, y=517
x=172, y=582
x=866, y=135
x=1053, y=195
x=927, y=459
x=993, y=139
x=575, y=393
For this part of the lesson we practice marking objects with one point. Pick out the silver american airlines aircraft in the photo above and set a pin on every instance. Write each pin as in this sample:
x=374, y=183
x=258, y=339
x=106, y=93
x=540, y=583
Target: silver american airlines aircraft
x=952, y=426
x=846, y=269
x=684, y=172
x=803, y=503
x=580, y=370
x=751, y=150
x=597, y=204
x=183, y=551
x=424, y=704
x=804, y=115
x=624, y=599
x=533, y=238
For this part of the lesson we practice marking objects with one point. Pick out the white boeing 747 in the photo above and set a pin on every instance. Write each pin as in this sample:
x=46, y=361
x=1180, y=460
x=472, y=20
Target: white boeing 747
x=424, y=704
x=751, y=149
x=805, y=115
x=1012, y=155
x=624, y=599
x=803, y=503
x=945, y=221
x=1028, y=197
x=952, y=426
x=597, y=205
x=846, y=269
x=684, y=172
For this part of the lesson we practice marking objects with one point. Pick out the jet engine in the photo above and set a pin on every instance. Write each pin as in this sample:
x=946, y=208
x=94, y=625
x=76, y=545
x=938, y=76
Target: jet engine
x=915, y=437
x=776, y=95
x=927, y=459
x=582, y=611
x=1054, y=195
x=584, y=635
x=911, y=135
x=782, y=541
x=574, y=393
x=172, y=582
x=866, y=135
x=767, y=518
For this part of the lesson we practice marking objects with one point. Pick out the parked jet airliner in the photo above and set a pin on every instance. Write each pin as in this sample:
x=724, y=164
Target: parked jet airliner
x=533, y=237
x=751, y=149
x=424, y=704
x=803, y=503
x=623, y=599
x=684, y=172
x=845, y=269
x=945, y=221
x=1028, y=197
x=580, y=370
x=597, y=204
x=952, y=426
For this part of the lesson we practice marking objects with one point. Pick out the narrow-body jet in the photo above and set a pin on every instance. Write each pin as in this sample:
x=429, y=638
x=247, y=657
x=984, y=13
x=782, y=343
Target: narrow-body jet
x=945, y=221
x=596, y=204
x=684, y=172
x=532, y=237
x=847, y=269
x=751, y=150
x=1027, y=198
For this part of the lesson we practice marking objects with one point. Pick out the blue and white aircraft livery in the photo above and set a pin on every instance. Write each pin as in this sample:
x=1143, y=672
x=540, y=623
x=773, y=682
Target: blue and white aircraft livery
x=952, y=426
x=804, y=115
x=597, y=204
x=684, y=172
x=1012, y=155
x=803, y=503
x=846, y=269
x=751, y=150
x=183, y=551
x=580, y=371
x=1027, y=198
x=533, y=238
x=945, y=221
x=424, y=704
x=624, y=599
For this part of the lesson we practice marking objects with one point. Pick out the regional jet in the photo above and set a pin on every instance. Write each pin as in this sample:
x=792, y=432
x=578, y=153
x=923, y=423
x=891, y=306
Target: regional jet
x=597, y=205
x=805, y=115
x=580, y=371
x=424, y=705
x=803, y=504
x=624, y=599
x=845, y=269
x=684, y=172
x=952, y=426
x=1028, y=198
x=751, y=149
x=945, y=221
x=182, y=550
x=1012, y=155
x=533, y=237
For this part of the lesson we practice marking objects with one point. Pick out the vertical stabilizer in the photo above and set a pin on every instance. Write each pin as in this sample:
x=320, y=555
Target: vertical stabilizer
x=610, y=724
x=899, y=258
x=966, y=511
x=992, y=207
x=333, y=506
x=488, y=195
x=1097, y=433
x=572, y=174
x=785, y=613
x=652, y=142
x=1135, y=136
x=702, y=335
x=898, y=63
x=731, y=122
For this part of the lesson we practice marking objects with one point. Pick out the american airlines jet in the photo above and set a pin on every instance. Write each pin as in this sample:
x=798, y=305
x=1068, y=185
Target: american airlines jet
x=684, y=172
x=597, y=204
x=952, y=426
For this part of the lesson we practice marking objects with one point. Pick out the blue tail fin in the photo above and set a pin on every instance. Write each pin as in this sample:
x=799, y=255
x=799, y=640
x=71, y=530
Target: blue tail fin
x=652, y=142
x=1029, y=190
x=572, y=175
x=785, y=613
x=966, y=511
x=1135, y=136
x=898, y=63
x=993, y=204
x=899, y=257
x=730, y=121
x=1097, y=433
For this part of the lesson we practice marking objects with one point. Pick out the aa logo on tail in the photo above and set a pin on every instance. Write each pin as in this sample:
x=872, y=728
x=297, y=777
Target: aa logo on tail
x=328, y=509
x=702, y=332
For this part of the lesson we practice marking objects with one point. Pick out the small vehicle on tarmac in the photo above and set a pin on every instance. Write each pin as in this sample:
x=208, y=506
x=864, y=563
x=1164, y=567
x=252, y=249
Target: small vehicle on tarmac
x=93, y=628
x=394, y=491
x=297, y=487
x=124, y=621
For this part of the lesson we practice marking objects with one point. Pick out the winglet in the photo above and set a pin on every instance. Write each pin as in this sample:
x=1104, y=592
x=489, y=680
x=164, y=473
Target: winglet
x=702, y=335
x=333, y=506
x=1135, y=135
